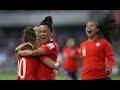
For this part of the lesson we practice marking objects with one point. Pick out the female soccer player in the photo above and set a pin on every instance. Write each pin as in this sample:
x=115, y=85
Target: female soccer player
x=71, y=60
x=95, y=52
x=25, y=72
x=48, y=49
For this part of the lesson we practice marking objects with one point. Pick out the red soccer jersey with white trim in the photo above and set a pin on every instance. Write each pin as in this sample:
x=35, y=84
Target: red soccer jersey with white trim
x=94, y=56
x=27, y=68
x=70, y=63
x=44, y=72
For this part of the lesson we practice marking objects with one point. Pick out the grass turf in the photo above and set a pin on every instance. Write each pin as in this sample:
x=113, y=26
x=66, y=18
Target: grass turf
x=12, y=76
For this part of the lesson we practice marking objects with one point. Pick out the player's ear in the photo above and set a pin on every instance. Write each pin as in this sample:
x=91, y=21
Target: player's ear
x=53, y=34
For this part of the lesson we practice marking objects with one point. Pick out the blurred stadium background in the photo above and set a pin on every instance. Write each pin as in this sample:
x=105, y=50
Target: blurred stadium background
x=67, y=23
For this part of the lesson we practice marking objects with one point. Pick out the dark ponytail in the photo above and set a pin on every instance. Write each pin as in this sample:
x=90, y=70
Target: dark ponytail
x=107, y=27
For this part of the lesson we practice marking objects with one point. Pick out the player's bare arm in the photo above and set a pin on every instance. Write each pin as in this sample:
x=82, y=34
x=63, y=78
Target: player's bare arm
x=50, y=63
x=21, y=46
x=36, y=52
x=25, y=53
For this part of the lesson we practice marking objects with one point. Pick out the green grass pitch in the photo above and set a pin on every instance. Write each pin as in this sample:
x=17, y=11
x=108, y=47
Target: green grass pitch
x=12, y=76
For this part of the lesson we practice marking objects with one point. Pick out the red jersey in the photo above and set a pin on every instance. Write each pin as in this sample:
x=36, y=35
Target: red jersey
x=70, y=63
x=94, y=56
x=27, y=68
x=44, y=72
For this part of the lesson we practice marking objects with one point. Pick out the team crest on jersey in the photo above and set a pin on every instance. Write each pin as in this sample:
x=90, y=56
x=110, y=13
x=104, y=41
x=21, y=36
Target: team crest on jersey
x=50, y=46
x=98, y=44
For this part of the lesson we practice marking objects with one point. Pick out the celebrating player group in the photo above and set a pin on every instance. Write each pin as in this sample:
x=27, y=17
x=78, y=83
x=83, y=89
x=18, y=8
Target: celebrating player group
x=38, y=53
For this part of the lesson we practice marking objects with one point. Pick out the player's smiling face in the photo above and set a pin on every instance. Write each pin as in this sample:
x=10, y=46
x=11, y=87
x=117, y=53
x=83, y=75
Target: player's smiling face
x=91, y=29
x=44, y=33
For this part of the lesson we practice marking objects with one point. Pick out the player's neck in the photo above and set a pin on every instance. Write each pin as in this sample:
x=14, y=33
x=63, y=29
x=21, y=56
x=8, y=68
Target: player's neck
x=93, y=38
x=35, y=44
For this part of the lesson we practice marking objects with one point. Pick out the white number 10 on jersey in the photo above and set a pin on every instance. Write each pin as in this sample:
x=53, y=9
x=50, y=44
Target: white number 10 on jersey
x=22, y=65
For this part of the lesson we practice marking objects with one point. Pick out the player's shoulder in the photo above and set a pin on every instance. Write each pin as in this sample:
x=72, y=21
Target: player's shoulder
x=103, y=40
x=55, y=43
x=52, y=45
x=84, y=42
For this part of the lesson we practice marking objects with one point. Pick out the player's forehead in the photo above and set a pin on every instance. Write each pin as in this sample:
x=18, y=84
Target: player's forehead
x=91, y=23
x=43, y=27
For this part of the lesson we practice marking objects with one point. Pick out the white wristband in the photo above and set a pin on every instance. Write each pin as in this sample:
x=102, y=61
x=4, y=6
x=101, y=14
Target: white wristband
x=57, y=64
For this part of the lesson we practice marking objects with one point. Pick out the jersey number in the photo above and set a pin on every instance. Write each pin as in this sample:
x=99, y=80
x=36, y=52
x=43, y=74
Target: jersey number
x=84, y=52
x=22, y=65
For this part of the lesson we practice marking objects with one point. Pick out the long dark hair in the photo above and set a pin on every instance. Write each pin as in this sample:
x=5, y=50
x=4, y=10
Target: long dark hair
x=107, y=27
